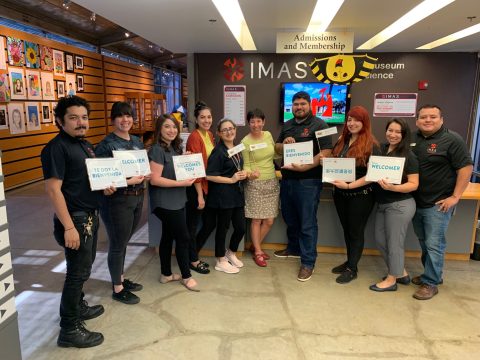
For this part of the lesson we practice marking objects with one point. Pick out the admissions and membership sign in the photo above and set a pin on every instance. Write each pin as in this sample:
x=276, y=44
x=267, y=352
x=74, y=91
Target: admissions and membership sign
x=235, y=103
x=134, y=162
x=385, y=167
x=298, y=153
x=326, y=42
x=106, y=172
x=188, y=167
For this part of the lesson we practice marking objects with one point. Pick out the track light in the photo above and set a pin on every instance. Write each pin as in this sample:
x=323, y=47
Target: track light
x=66, y=4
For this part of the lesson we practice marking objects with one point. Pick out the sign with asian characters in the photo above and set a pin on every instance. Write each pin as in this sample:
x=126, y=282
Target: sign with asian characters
x=338, y=169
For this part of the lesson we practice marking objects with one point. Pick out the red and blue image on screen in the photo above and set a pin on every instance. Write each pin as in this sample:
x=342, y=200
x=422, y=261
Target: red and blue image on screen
x=327, y=101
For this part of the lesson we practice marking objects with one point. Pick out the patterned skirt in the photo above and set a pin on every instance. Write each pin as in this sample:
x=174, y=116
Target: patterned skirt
x=261, y=198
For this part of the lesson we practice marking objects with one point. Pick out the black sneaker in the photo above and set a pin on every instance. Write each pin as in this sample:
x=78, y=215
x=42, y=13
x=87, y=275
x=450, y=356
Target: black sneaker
x=131, y=286
x=340, y=268
x=285, y=254
x=78, y=337
x=200, y=268
x=126, y=297
x=346, y=276
x=90, y=312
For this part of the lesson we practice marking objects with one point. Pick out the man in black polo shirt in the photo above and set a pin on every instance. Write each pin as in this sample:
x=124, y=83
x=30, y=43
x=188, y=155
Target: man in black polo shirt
x=445, y=168
x=301, y=185
x=76, y=216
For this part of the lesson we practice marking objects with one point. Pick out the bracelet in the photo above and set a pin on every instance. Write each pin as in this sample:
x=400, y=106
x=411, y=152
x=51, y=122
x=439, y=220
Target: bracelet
x=73, y=227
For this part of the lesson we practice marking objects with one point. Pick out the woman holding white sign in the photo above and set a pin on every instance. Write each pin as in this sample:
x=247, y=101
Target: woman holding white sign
x=225, y=202
x=121, y=211
x=200, y=141
x=396, y=207
x=167, y=201
x=354, y=201
x=262, y=189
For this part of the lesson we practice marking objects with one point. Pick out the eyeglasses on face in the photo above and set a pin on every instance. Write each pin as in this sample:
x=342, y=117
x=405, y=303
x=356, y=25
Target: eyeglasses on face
x=225, y=130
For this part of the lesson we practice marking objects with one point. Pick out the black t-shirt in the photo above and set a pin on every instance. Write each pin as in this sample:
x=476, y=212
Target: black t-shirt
x=303, y=132
x=224, y=196
x=64, y=158
x=411, y=167
x=439, y=157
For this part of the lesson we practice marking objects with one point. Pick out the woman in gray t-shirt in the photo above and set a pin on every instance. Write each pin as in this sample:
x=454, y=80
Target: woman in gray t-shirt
x=167, y=201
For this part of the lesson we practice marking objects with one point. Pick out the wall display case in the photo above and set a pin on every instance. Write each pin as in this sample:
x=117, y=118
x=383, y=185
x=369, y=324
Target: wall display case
x=146, y=108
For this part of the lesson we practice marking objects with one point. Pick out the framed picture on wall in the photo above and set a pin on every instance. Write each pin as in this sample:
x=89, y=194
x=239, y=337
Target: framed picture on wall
x=79, y=82
x=70, y=85
x=46, y=58
x=16, y=118
x=3, y=60
x=34, y=91
x=32, y=58
x=48, y=92
x=46, y=116
x=33, y=116
x=79, y=62
x=15, y=51
x=4, y=88
x=60, y=89
x=17, y=83
x=3, y=117
x=69, y=62
x=58, y=63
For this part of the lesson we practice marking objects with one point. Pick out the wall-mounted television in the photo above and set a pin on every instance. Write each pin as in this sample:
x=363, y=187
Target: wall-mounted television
x=328, y=101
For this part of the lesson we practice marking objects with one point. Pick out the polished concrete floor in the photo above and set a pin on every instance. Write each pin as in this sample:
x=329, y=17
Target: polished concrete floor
x=260, y=313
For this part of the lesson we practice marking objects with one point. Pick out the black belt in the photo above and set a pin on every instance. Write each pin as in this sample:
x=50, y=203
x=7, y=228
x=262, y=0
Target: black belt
x=354, y=193
x=84, y=213
x=131, y=191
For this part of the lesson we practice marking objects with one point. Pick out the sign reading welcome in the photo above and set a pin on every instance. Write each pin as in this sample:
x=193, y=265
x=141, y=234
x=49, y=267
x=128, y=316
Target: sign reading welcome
x=326, y=42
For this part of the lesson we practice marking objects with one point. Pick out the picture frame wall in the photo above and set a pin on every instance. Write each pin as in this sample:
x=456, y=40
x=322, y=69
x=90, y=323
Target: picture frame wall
x=16, y=118
x=33, y=116
x=58, y=63
x=48, y=87
x=46, y=113
x=34, y=91
x=3, y=117
x=17, y=83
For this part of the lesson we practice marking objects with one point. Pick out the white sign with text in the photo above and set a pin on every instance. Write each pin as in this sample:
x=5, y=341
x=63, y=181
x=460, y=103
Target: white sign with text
x=104, y=173
x=188, y=167
x=298, y=153
x=338, y=169
x=385, y=167
x=134, y=162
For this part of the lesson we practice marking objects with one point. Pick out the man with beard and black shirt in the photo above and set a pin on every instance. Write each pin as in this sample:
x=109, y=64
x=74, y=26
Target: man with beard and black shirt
x=76, y=217
x=301, y=185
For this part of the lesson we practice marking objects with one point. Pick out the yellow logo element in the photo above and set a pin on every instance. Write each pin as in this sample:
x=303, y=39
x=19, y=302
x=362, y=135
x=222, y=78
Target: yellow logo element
x=343, y=69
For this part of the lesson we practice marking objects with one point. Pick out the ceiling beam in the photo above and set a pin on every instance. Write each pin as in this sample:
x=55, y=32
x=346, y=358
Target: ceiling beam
x=115, y=39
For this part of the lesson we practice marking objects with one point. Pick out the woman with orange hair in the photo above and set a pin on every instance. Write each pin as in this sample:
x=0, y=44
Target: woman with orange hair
x=354, y=201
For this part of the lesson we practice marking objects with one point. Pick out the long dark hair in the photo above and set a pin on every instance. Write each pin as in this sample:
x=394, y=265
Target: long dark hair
x=176, y=143
x=403, y=147
x=199, y=106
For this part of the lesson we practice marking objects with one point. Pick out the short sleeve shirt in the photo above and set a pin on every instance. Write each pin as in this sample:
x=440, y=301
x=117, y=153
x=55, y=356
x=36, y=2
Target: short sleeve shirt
x=170, y=198
x=439, y=157
x=302, y=132
x=64, y=158
x=411, y=167
x=223, y=196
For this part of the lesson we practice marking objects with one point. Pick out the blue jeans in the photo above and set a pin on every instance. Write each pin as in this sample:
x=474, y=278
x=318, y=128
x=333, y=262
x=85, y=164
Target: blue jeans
x=299, y=199
x=430, y=226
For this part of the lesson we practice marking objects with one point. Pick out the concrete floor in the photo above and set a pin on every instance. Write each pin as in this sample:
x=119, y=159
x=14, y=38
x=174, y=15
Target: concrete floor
x=260, y=313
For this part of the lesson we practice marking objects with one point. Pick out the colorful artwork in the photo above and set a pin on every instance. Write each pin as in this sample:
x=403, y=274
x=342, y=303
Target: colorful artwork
x=33, y=85
x=3, y=62
x=58, y=63
x=71, y=87
x=4, y=88
x=47, y=86
x=16, y=118
x=17, y=83
x=46, y=58
x=32, y=59
x=15, y=51
x=3, y=117
x=33, y=116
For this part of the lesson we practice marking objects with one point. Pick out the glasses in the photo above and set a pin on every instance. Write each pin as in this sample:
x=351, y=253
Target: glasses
x=225, y=130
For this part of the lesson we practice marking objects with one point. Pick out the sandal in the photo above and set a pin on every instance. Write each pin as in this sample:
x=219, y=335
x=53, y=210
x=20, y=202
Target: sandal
x=252, y=250
x=259, y=260
x=200, y=268
x=265, y=255
x=186, y=282
x=207, y=265
x=166, y=279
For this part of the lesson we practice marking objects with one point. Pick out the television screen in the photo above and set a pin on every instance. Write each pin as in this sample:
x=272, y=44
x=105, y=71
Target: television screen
x=328, y=101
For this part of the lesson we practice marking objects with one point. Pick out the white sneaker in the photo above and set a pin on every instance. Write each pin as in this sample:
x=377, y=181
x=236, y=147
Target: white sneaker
x=226, y=267
x=233, y=259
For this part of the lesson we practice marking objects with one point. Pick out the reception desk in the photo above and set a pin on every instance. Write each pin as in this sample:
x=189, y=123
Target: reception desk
x=460, y=234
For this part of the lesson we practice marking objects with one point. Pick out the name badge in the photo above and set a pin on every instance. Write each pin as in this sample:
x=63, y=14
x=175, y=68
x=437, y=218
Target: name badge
x=235, y=150
x=326, y=132
x=259, y=146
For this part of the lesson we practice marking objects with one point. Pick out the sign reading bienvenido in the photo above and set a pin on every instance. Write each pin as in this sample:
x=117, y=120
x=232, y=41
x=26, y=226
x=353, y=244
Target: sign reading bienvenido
x=326, y=42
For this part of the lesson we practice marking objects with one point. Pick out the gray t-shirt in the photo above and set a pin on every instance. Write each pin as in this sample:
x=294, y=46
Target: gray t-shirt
x=170, y=198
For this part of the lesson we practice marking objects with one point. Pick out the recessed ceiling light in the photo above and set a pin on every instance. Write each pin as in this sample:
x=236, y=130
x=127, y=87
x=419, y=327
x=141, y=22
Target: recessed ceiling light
x=418, y=13
x=233, y=16
x=323, y=14
x=127, y=34
x=452, y=37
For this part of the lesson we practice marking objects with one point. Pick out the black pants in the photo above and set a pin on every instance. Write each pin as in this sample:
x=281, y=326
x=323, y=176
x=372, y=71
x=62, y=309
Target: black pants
x=121, y=215
x=221, y=219
x=173, y=227
x=193, y=218
x=79, y=265
x=353, y=212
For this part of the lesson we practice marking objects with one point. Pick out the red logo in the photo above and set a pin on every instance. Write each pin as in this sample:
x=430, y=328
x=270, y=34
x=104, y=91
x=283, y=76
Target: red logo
x=305, y=133
x=432, y=148
x=233, y=70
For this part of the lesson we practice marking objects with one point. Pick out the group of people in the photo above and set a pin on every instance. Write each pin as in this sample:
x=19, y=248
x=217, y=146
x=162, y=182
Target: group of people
x=243, y=184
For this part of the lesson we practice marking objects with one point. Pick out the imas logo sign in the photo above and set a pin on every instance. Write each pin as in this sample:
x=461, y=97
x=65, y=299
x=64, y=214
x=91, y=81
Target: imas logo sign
x=233, y=69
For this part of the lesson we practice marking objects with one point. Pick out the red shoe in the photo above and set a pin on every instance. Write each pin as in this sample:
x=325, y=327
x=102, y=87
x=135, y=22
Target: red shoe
x=259, y=260
x=265, y=255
